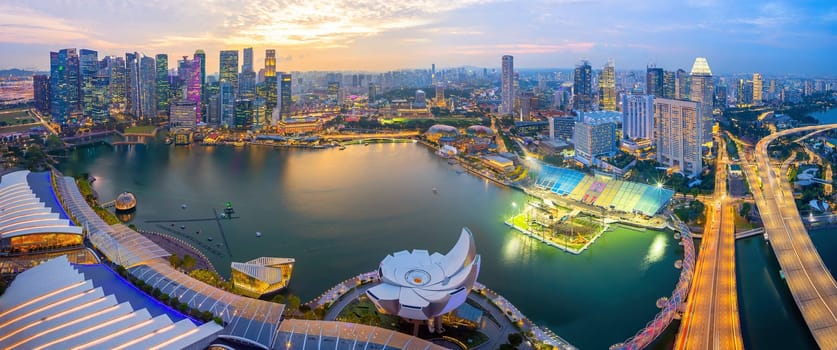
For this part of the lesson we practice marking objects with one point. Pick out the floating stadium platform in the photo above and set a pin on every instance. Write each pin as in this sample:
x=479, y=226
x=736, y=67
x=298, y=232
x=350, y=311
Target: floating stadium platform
x=603, y=192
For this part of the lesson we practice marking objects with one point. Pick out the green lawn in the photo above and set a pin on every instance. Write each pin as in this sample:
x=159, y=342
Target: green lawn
x=140, y=129
x=15, y=117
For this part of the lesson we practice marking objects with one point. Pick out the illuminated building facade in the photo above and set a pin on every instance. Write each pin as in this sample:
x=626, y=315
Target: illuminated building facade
x=162, y=82
x=285, y=101
x=148, y=78
x=132, y=81
x=679, y=135
x=507, y=88
x=243, y=114
x=758, y=85
x=270, y=83
x=583, y=87
x=681, y=85
x=229, y=67
x=247, y=79
x=226, y=102
x=592, y=138
x=638, y=117
x=263, y=275
x=702, y=90
x=40, y=87
x=117, y=83
x=607, y=87
x=88, y=67
x=182, y=114
x=654, y=80
x=193, y=86
x=64, y=83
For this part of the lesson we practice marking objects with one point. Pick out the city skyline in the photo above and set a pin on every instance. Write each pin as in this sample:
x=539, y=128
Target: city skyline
x=772, y=37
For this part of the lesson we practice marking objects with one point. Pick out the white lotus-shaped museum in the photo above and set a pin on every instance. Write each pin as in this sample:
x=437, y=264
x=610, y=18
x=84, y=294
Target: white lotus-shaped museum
x=420, y=286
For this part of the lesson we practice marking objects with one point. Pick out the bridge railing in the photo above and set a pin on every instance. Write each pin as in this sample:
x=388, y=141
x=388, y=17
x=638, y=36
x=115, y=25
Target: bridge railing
x=671, y=307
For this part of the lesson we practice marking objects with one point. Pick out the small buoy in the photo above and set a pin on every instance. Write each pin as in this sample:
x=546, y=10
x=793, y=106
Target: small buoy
x=258, y=234
x=183, y=206
x=209, y=239
x=182, y=227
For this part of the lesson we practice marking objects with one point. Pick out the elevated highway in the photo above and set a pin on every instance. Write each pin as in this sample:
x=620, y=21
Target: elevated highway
x=809, y=280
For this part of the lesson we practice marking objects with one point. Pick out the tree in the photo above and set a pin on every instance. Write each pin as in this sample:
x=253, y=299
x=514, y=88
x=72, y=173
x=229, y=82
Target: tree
x=293, y=302
x=175, y=261
x=34, y=158
x=515, y=339
x=188, y=262
x=53, y=142
x=278, y=298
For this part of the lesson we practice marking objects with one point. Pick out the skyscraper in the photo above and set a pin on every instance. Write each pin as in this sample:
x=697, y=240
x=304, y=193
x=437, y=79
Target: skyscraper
x=284, y=103
x=270, y=83
x=607, y=87
x=638, y=117
x=669, y=84
x=117, y=84
x=101, y=92
x=507, y=85
x=162, y=82
x=188, y=73
x=247, y=81
x=679, y=135
x=702, y=90
x=132, y=81
x=226, y=101
x=148, y=91
x=202, y=55
x=757, y=88
x=654, y=80
x=88, y=67
x=583, y=87
x=229, y=67
x=592, y=138
x=681, y=85
x=40, y=86
x=64, y=85
x=243, y=113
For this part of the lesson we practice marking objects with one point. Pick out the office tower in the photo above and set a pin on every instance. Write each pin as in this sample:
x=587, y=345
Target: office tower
x=440, y=94
x=229, y=67
x=638, y=117
x=607, y=87
x=745, y=92
x=193, y=85
x=433, y=73
x=247, y=60
x=507, y=85
x=101, y=92
x=202, y=55
x=40, y=86
x=702, y=90
x=679, y=136
x=117, y=84
x=64, y=85
x=681, y=85
x=561, y=128
x=162, y=83
x=757, y=88
x=132, y=90
x=772, y=88
x=148, y=78
x=213, y=110
x=260, y=117
x=270, y=83
x=247, y=80
x=243, y=113
x=594, y=137
x=226, y=101
x=669, y=84
x=284, y=103
x=88, y=67
x=721, y=97
x=583, y=87
x=182, y=114
x=654, y=80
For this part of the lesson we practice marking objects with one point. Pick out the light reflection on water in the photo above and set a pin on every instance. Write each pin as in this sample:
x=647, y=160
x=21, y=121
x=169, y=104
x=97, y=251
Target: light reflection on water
x=656, y=251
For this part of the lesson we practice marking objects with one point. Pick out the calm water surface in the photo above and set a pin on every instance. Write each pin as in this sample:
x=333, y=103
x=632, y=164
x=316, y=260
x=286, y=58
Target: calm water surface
x=340, y=212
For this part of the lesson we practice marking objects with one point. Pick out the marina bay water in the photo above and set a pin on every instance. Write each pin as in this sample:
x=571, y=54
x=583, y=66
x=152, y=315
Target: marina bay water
x=338, y=213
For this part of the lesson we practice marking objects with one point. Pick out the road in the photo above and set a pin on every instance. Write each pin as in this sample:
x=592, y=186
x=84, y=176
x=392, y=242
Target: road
x=43, y=121
x=711, y=318
x=389, y=135
x=811, y=283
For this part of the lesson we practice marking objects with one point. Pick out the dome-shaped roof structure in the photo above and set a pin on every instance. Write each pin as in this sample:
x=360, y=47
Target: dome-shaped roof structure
x=445, y=130
x=126, y=201
x=479, y=131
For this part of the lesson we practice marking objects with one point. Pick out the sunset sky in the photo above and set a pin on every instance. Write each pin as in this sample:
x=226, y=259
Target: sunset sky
x=735, y=36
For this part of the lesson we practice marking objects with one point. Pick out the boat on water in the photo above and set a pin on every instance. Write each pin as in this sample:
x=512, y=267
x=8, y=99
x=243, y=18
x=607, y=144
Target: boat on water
x=342, y=147
x=258, y=234
x=435, y=191
x=183, y=206
x=209, y=239
x=182, y=227
x=169, y=140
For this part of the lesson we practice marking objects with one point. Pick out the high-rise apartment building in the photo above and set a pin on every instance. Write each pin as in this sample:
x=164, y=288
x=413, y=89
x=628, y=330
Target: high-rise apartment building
x=229, y=67
x=678, y=135
x=64, y=85
x=638, y=117
x=162, y=82
x=507, y=85
x=583, y=87
x=40, y=86
x=702, y=90
x=607, y=87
